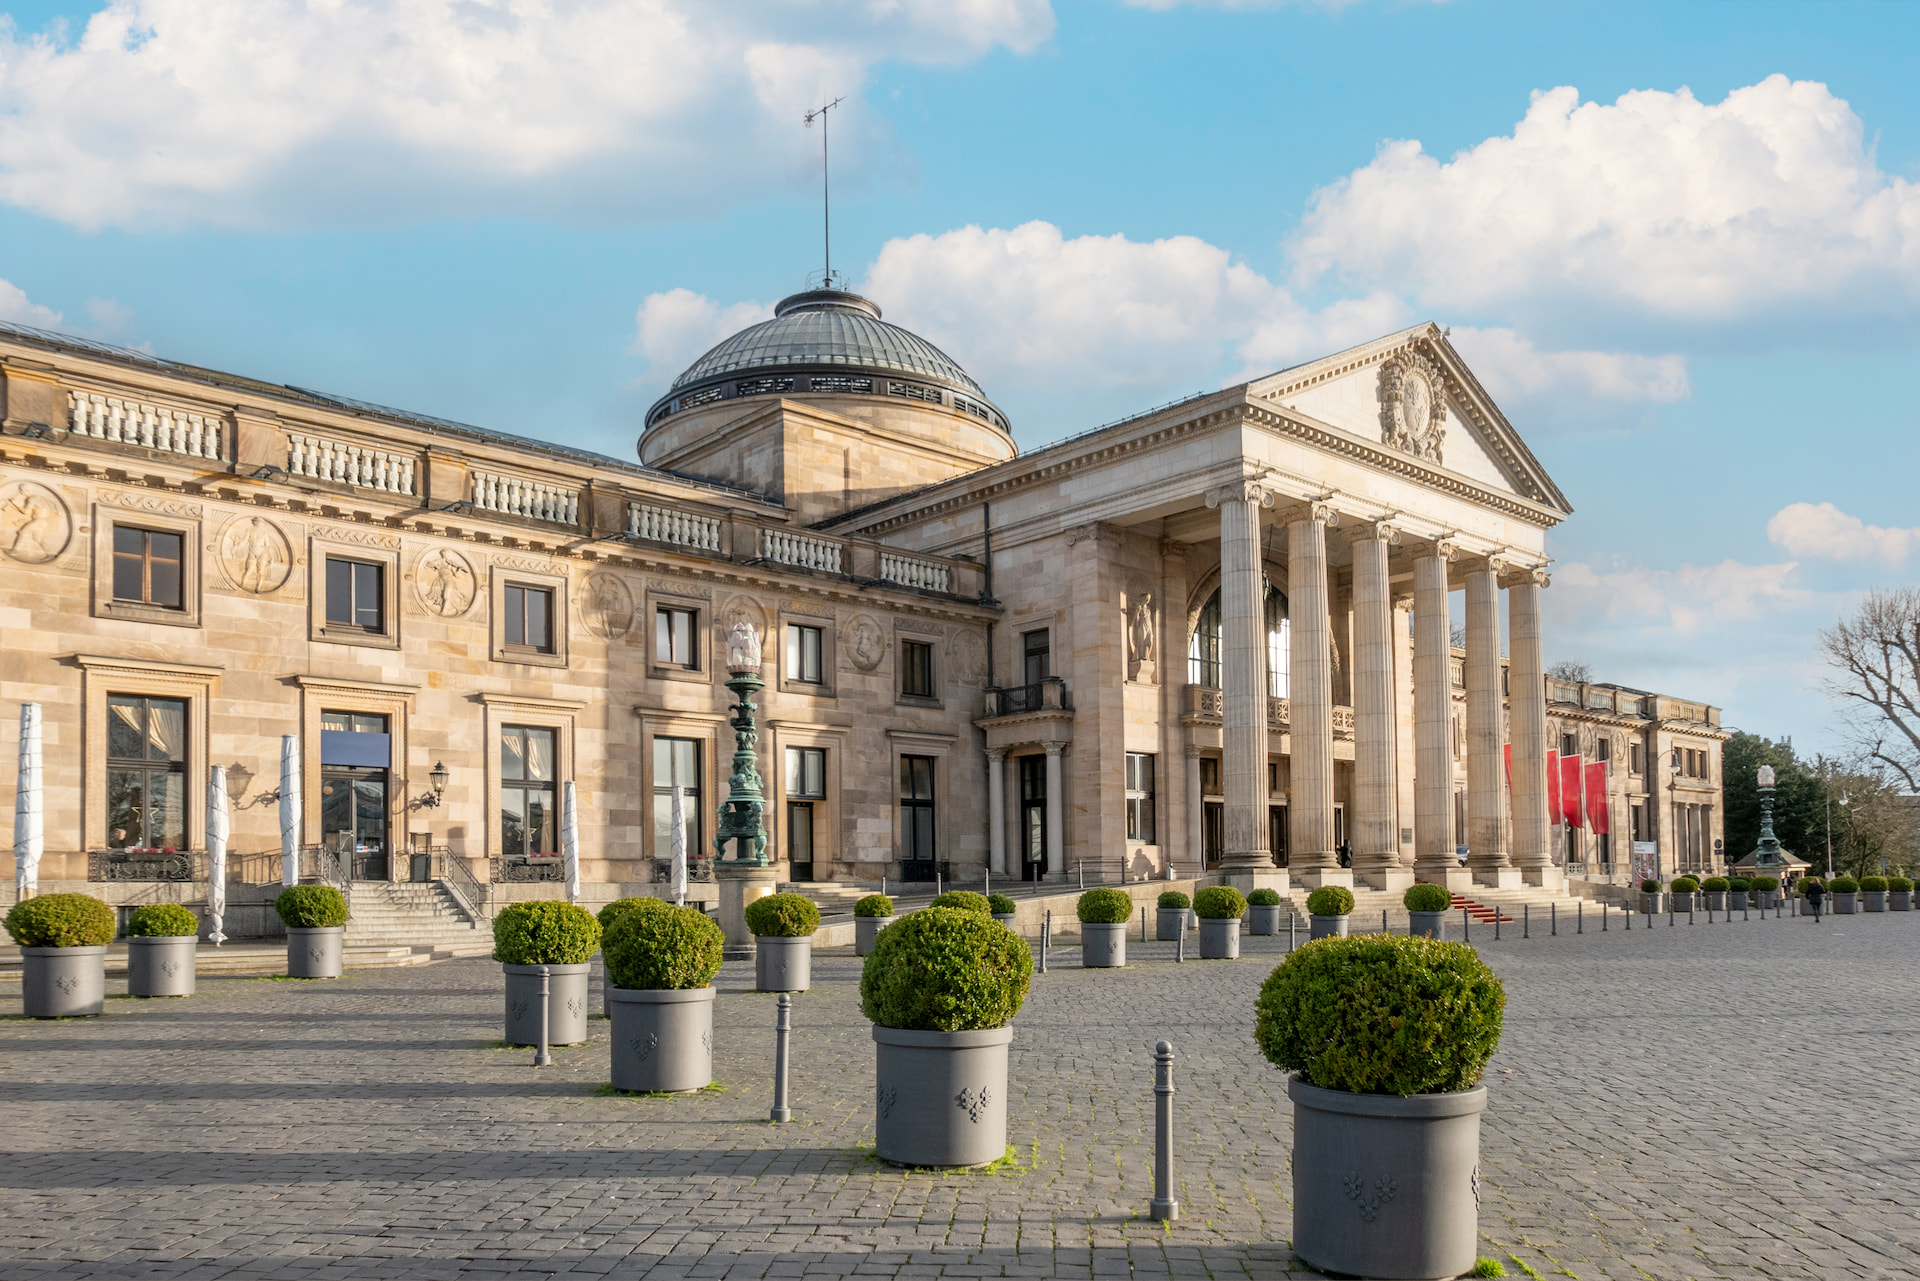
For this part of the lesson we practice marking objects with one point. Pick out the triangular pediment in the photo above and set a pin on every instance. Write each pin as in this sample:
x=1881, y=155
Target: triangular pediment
x=1412, y=391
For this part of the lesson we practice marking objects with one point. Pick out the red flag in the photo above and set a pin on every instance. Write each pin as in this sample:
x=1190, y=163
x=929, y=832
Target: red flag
x=1553, y=788
x=1597, y=807
x=1570, y=776
x=1509, y=751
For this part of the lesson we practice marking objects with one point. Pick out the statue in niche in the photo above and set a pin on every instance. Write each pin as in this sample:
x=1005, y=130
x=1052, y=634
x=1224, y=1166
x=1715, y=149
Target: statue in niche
x=1140, y=638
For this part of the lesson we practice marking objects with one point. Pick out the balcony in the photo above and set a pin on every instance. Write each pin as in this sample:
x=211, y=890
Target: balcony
x=1049, y=695
x=1206, y=702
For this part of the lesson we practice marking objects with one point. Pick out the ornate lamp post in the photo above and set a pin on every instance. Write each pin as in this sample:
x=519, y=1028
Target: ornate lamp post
x=1767, y=854
x=741, y=814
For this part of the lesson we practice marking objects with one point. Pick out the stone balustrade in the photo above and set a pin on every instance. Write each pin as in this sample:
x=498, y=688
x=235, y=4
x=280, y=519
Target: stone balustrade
x=518, y=496
x=806, y=551
x=1208, y=702
x=133, y=422
x=911, y=571
x=676, y=528
x=319, y=458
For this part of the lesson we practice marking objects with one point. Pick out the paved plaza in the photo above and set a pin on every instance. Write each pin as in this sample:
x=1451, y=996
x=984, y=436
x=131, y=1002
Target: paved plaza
x=372, y=1127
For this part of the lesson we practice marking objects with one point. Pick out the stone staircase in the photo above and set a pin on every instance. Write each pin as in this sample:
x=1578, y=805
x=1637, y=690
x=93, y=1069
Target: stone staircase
x=833, y=898
x=420, y=915
x=1481, y=903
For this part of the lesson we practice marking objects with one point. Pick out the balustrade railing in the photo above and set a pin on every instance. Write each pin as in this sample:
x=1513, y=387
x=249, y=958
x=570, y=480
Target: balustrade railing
x=319, y=458
x=132, y=422
x=911, y=571
x=518, y=496
x=523, y=869
x=803, y=550
x=1049, y=695
x=146, y=865
x=677, y=528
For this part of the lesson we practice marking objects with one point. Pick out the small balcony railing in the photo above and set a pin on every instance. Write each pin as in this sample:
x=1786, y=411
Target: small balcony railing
x=1049, y=695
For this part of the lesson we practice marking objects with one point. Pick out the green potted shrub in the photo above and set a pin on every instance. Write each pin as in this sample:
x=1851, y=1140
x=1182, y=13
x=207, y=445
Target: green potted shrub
x=1327, y=910
x=1427, y=907
x=783, y=926
x=1813, y=891
x=941, y=988
x=1738, y=888
x=1766, y=889
x=1716, y=888
x=1172, y=915
x=1873, y=893
x=1103, y=914
x=1650, y=895
x=555, y=939
x=965, y=901
x=63, y=954
x=870, y=915
x=316, y=921
x=162, y=939
x=1219, y=908
x=660, y=962
x=1263, y=912
x=1846, y=895
x=1386, y=1108
x=606, y=917
x=1002, y=909
x=1683, y=890
x=1899, y=894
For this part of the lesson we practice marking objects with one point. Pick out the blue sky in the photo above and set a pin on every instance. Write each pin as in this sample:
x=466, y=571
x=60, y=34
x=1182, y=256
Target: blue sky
x=1680, y=242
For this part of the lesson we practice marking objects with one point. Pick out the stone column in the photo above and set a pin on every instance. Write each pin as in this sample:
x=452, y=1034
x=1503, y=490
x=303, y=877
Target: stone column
x=1433, y=858
x=1403, y=727
x=1375, y=822
x=1196, y=811
x=1527, y=703
x=1486, y=757
x=1056, y=829
x=1310, y=702
x=997, y=809
x=1243, y=682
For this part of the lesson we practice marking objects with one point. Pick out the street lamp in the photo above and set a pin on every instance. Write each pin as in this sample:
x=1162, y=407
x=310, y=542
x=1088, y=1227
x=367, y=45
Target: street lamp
x=1767, y=854
x=438, y=777
x=1843, y=805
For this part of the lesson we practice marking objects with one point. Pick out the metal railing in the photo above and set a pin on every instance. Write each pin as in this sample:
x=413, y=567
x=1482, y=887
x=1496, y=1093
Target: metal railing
x=149, y=866
x=450, y=870
x=523, y=869
x=699, y=870
x=1049, y=695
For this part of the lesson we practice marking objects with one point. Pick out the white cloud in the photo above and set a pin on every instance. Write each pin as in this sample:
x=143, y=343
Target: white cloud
x=1688, y=600
x=1511, y=368
x=1823, y=531
x=675, y=328
x=1656, y=204
x=271, y=112
x=21, y=310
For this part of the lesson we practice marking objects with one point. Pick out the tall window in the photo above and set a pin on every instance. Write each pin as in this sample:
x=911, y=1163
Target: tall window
x=916, y=808
x=1569, y=745
x=1140, y=827
x=916, y=669
x=1036, y=653
x=1603, y=749
x=529, y=621
x=527, y=821
x=1203, y=647
x=806, y=786
x=673, y=632
x=356, y=594
x=676, y=763
x=1634, y=758
x=146, y=772
x=803, y=654
x=146, y=566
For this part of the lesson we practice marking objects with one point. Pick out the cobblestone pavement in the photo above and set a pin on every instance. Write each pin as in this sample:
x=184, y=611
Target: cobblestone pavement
x=1734, y=1101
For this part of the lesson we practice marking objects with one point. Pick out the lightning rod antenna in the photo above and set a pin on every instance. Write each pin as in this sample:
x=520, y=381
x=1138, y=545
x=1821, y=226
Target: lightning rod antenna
x=826, y=189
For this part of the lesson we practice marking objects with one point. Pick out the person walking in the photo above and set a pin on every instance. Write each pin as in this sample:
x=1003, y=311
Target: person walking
x=1816, y=892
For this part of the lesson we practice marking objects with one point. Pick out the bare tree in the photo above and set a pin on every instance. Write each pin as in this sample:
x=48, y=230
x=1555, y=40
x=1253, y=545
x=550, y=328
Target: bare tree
x=1571, y=669
x=1875, y=652
x=1873, y=820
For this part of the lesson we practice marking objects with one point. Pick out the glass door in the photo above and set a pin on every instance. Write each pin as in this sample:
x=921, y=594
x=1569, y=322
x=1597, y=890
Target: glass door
x=355, y=755
x=1033, y=817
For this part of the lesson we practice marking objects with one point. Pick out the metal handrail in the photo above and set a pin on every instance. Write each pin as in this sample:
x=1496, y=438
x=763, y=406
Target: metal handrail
x=452, y=871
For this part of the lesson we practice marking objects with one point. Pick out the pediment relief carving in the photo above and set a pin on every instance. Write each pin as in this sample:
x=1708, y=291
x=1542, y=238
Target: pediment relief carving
x=1413, y=404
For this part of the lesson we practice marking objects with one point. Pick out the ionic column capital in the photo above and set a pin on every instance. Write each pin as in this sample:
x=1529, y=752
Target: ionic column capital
x=1240, y=491
x=1381, y=530
x=1096, y=531
x=1525, y=576
x=1442, y=548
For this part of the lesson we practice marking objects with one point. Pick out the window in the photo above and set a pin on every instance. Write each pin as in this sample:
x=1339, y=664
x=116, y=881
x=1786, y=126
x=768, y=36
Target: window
x=529, y=618
x=1569, y=745
x=147, y=566
x=806, y=784
x=1036, y=649
x=1210, y=776
x=1203, y=647
x=916, y=668
x=1635, y=754
x=1140, y=826
x=146, y=773
x=1637, y=822
x=527, y=824
x=1602, y=749
x=916, y=809
x=803, y=654
x=673, y=633
x=807, y=772
x=356, y=594
x=676, y=763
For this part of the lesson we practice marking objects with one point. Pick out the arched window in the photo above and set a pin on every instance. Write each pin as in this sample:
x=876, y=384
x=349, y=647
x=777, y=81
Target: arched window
x=1203, y=648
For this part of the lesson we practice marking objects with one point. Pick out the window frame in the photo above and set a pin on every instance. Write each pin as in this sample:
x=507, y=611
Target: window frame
x=904, y=638
x=795, y=653
x=354, y=564
x=555, y=585
x=914, y=805
x=526, y=711
x=321, y=552
x=700, y=665
x=320, y=695
x=1141, y=802
x=147, y=560
x=102, y=676
x=107, y=517
x=526, y=788
x=149, y=766
x=517, y=597
x=792, y=682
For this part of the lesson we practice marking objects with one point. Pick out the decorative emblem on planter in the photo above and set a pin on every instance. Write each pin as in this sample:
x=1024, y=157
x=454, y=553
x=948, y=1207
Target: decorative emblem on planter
x=169, y=968
x=643, y=1047
x=520, y=1009
x=316, y=954
x=1368, y=1205
x=706, y=1040
x=574, y=1006
x=67, y=983
x=973, y=1102
x=883, y=1100
x=1473, y=1181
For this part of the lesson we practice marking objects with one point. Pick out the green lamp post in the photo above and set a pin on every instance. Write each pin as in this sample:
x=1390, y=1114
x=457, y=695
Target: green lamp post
x=1767, y=854
x=742, y=814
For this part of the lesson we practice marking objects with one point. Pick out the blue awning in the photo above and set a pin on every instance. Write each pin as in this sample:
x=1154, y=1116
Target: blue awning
x=345, y=747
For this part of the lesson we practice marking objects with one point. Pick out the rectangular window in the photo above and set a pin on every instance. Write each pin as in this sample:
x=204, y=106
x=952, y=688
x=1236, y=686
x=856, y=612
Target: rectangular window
x=356, y=594
x=803, y=654
x=807, y=773
x=1634, y=752
x=673, y=633
x=529, y=621
x=1602, y=749
x=916, y=809
x=1637, y=821
x=1036, y=649
x=527, y=813
x=146, y=566
x=916, y=669
x=676, y=763
x=1210, y=776
x=1569, y=745
x=1273, y=778
x=146, y=772
x=1140, y=827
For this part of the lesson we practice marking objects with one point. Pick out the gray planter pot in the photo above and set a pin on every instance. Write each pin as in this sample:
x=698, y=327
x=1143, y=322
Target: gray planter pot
x=1005, y=918
x=567, y=990
x=1873, y=900
x=1385, y=1186
x=1768, y=898
x=1103, y=947
x=783, y=964
x=1167, y=920
x=62, y=982
x=1327, y=927
x=662, y=1040
x=1716, y=900
x=865, y=930
x=315, y=954
x=1682, y=904
x=1900, y=900
x=1846, y=904
x=161, y=966
x=1431, y=924
x=1264, y=920
x=1651, y=904
x=1220, y=940
x=1736, y=900
x=940, y=1098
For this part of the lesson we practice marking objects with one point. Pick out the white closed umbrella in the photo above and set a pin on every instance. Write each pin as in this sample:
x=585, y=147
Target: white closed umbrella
x=217, y=831
x=28, y=834
x=289, y=809
x=570, y=840
x=677, y=842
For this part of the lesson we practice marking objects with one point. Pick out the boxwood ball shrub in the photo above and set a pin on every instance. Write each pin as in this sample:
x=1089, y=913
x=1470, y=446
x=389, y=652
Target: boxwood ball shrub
x=963, y=901
x=1844, y=885
x=1685, y=885
x=1806, y=883
x=1001, y=905
x=1766, y=882
x=1650, y=886
x=1716, y=885
x=944, y=970
x=874, y=905
x=546, y=934
x=783, y=916
x=1873, y=884
x=660, y=947
x=1264, y=898
x=1104, y=907
x=310, y=907
x=162, y=921
x=1382, y=1014
x=1330, y=900
x=612, y=911
x=1219, y=903
x=1427, y=898
x=1739, y=884
x=1899, y=884
x=61, y=920
x=1172, y=899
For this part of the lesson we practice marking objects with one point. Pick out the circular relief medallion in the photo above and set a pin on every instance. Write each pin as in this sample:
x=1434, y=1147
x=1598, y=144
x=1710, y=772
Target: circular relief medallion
x=255, y=555
x=866, y=642
x=34, y=524
x=609, y=606
x=742, y=609
x=445, y=582
x=969, y=658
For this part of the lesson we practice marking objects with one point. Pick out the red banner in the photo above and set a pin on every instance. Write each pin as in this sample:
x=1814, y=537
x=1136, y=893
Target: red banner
x=1570, y=777
x=1509, y=751
x=1553, y=788
x=1597, y=807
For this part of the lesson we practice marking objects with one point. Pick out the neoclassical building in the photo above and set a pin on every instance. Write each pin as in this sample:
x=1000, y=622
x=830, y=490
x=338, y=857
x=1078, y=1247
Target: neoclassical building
x=1216, y=635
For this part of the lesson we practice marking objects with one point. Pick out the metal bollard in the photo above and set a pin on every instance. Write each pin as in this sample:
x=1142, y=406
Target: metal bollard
x=1497, y=914
x=1046, y=937
x=1603, y=916
x=1290, y=928
x=1180, y=946
x=1466, y=927
x=782, y=1026
x=938, y=887
x=1689, y=913
x=1669, y=913
x=1526, y=920
x=1164, y=1206
x=1081, y=868
x=1143, y=924
x=1746, y=913
x=542, y=1056
x=1383, y=922
x=1628, y=913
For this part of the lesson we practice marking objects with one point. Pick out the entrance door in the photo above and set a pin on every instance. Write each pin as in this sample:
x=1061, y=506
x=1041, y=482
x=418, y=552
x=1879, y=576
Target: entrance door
x=800, y=840
x=1277, y=833
x=355, y=755
x=806, y=786
x=1213, y=831
x=1033, y=817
